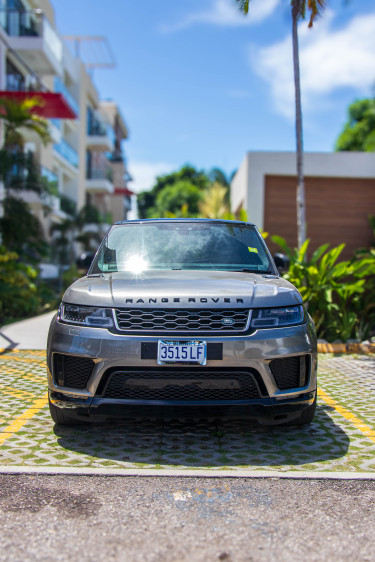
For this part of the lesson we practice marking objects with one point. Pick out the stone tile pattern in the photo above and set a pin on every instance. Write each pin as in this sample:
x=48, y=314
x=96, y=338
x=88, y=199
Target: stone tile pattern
x=330, y=443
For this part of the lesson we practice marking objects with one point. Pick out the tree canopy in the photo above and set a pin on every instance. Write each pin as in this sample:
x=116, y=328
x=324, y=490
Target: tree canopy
x=180, y=192
x=172, y=198
x=358, y=133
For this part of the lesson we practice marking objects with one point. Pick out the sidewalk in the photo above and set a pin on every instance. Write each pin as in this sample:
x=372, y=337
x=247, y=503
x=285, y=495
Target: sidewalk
x=27, y=334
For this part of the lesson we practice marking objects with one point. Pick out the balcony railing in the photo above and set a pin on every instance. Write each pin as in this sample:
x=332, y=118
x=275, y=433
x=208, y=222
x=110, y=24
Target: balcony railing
x=56, y=123
x=68, y=205
x=31, y=23
x=60, y=88
x=50, y=176
x=67, y=152
x=102, y=173
x=15, y=82
x=96, y=126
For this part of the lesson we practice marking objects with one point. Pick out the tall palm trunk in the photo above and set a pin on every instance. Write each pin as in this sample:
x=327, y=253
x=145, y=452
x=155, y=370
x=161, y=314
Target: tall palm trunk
x=301, y=204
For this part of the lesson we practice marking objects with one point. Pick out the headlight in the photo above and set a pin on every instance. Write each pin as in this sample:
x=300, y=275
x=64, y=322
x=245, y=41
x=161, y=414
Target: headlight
x=272, y=317
x=86, y=315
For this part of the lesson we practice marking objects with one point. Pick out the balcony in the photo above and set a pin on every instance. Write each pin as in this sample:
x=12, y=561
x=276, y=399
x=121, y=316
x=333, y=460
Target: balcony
x=66, y=153
x=32, y=37
x=100, y=135
x=55, y=130
x=60, y=88
x=99, y=180
x=68, y=205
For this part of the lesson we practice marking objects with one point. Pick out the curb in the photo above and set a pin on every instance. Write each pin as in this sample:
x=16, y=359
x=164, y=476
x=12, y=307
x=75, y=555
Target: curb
x=361, y=348
x=186, y=473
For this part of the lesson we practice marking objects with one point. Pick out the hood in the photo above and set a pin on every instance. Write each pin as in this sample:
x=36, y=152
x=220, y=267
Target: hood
x=183, y=289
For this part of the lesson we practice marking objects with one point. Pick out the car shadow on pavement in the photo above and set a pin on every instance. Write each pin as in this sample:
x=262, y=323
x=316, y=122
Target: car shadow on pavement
x=205, y=442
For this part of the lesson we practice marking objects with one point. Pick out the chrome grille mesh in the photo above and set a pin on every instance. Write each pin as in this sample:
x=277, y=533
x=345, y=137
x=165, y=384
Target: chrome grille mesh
x=185, y=320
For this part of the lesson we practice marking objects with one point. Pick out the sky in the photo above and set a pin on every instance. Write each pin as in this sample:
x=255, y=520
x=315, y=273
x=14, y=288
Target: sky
x=199, y=83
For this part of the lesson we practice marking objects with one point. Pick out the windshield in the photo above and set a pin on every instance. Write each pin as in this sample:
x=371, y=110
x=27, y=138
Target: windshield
x=138, y=247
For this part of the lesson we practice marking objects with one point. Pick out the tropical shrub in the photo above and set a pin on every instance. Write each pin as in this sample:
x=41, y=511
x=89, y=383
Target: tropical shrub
x=18, y=291
x=339, y=295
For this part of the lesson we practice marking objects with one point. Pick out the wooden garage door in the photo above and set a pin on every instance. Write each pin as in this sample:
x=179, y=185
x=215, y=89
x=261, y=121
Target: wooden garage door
x=337, y=211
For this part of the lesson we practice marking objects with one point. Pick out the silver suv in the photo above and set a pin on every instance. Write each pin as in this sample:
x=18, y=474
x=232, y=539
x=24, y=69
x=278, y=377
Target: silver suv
x=176, y=314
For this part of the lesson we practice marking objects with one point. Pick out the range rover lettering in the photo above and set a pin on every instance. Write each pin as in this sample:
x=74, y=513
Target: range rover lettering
x=181, y=314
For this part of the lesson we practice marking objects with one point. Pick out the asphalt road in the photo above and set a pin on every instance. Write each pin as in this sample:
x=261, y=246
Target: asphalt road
x=176, y=519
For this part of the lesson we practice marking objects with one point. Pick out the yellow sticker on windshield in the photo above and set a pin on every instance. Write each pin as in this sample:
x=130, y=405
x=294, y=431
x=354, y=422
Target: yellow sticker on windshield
x=253, y=250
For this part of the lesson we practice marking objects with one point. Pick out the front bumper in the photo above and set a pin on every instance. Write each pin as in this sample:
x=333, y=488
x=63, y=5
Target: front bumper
x=253, y=352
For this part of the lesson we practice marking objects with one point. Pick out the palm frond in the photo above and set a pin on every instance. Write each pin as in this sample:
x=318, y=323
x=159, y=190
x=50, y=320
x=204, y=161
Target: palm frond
x=17, y=115
x=315, y=8
x=214, y=205
x=243, y=5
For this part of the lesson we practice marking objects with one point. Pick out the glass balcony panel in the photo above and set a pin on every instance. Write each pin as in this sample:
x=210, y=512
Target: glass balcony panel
x=67, y=152
x=52, y=40
x=50, y=176
x=104, y=173
x=19, y=23
x=57, y=123
x=96, y=126
x=60, y=88
x=31, y=23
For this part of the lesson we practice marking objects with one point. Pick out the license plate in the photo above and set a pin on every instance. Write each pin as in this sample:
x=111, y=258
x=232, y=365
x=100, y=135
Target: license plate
x=182, y=352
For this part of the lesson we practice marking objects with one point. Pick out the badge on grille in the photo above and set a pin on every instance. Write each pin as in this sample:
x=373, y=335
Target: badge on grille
x=227, y=321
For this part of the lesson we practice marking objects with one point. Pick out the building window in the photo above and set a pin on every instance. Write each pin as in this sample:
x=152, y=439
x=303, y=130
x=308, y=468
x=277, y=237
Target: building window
x=15, y=81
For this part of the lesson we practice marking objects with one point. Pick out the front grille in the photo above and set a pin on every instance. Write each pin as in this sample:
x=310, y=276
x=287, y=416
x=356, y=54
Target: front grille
x=182, y=385
x=290, y=372
x=72, y=371
x=186, y=320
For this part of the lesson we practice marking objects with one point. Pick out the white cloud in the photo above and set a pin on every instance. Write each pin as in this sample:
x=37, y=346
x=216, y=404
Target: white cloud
x=329, y=59
x=225, y=13
x=144, y=173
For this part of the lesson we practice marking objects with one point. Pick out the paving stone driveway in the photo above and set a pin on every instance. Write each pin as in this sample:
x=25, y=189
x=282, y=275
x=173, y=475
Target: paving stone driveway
x=341, y=438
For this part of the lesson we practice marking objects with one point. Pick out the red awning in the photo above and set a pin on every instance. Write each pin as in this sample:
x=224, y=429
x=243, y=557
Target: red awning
x=52, y=106
x=123, y=191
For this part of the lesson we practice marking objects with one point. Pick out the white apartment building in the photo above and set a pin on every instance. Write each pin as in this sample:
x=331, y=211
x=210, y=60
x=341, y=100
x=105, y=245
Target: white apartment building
x=85, y=161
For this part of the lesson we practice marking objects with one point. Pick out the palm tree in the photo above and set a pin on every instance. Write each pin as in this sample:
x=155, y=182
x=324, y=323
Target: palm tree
x=18, y=115
x=214, y=205
x=298, y=10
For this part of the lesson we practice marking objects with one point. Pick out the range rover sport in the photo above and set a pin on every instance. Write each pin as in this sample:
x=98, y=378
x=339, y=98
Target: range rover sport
x=180, y=314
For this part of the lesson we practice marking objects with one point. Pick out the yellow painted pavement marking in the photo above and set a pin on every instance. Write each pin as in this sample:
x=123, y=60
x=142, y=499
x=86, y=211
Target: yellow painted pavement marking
x=20, y=421
x=16, y=393
x=352, y=418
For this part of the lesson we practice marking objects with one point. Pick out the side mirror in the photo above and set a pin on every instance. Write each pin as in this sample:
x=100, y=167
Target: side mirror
x=282, y=263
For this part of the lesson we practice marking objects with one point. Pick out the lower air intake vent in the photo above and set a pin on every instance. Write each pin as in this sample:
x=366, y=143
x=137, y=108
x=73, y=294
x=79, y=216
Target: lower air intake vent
x=181, y=385
x=72, y=371
x=290, y=372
